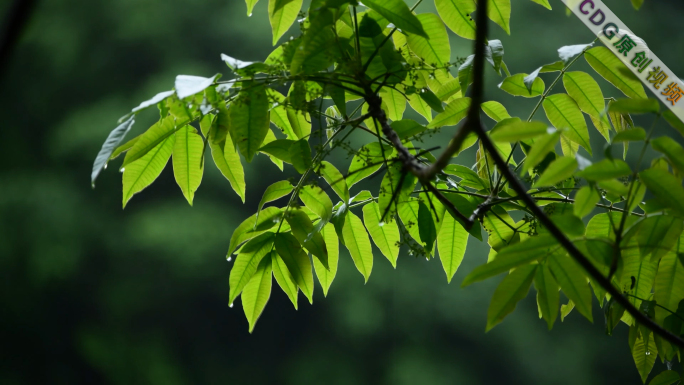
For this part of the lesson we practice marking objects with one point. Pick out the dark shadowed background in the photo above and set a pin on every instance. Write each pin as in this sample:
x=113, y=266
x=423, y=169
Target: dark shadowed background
x=93, y=294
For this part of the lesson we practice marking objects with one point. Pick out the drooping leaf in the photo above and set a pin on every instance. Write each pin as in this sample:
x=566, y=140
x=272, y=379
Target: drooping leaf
x=451, y=243
x=279, y=148
x=303, y=229
x=666, y=188
x=644, y=354
x=432, y=46
x=335, y=179
x=356, y=240
x=223, y=150
x=399, y=14
x=559, y=170
x=420, y=106
x=275, y=191
x=110, y=145
x=457, y=15
x=453, y=113
x=297, y=262
x=495, y=110
x=284, y=278
x=156, y=134
x=332, y=244
x=317, y=201
x=385, y=234
x=672, y=150
x=187, y=161
x=513, y=256
x=606, y=64
x=514, y=130
x=449, y=90
x=494, y=53
x=250, y=6
x=589, y=97
x=667, y=377
x=510, y=291
x=395, y=102
x=605, y=169
x=249, y=120
x=548, y=299
x=570, y=277
x=565, y=114
x=247, y=262
x=515, y=86
x=300, y=155
x=544, y=3
x=251, y=227
x=499, y=11
x=426, y=227
x=145, y=170
x=282, y=16
x=395, y=188
x=466, y=73
x=257, y=292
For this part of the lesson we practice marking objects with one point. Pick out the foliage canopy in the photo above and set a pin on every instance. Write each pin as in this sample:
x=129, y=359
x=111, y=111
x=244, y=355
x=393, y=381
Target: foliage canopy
x=552, y=218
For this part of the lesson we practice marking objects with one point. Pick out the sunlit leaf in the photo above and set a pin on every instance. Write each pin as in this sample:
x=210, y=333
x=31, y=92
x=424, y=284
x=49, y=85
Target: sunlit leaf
x=452, y=240
x=589, y=97
x=282, y=17
x=606, y=64
x=457, y=15
x=187, y=161
x=223, y=150
x=514, y=130
x=187, y=85
x=635, y=106
x=249, y=120
x=247, y=262
x=453, y=113
x=570, y=277
x=357, y=242
x=257, y=292
x=335, y=179
x=559, y=170
x=251, y=227
x=399, y=14
x=499, y=11
x=284, y=278
x=548, y=299
x=515, y=86
x=585, y=201
x=308, y=237
x=495, y=110
x=275, y=191
x=332, y=244
x=385, y=234
x=297, y=262
x=605, y=169
x=565, y=114
x=510, y=291
x=145, y=170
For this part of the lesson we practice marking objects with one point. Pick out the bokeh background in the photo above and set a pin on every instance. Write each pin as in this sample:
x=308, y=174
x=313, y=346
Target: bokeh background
x=93, y=294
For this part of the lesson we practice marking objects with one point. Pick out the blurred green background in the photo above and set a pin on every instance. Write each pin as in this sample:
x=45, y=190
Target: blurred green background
x=93, y=294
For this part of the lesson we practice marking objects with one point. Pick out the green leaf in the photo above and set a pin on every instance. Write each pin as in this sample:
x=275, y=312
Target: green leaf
x=335, y=179
x=303, y=230
x=465, y=73
x=451, y=88
x=560, y=169
x=187, y=161
x=395, y=102
x=585, y=201
x=672, y=150
x=469, y=178
x=452, y=240
x=300, y=155
x=637, y=4
x=408, y=213
x=431, y=99
x=564, y=114
x=223, y=150
x=512, y=290
x=110, y=145
x=666, y=377
x=589, y=97
x=317, y=201
x=457, y=15
x=673, y=121
x=156, y=134
x=571, y=279
x=633, y=135
x=407, y=128
x=426, y=227
x=463, y=205
x=668, y=290
x=297, y=262
x=606, y=64
x=635, y=106
x=539, y=150
x=432, y=45
x=273, y=192
x=495, y=110
x=279, y=148
x=515, y=86
x=145, y=170
x=247, y=262
x=453, y=113
x=420, y=106
x=644, y=354
x=514, y=130
x=613, y=314
x=494, y=52
x=399, y=14
x=548, y=299
x=499, y=11
x=284, y=278
x=250, y=6
x=332, y=244
x=513, y=256
x=270, y=137
x=249, y=120
x=124, y=147
x=356, y=240
x=366, y=162
x=666, y=188
x=257, y=292
x=658, y=235
x=388, y=196
x=268, y=218
x=385, y=234
x=605, y=169
x=282, y=17
x=544, y=3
